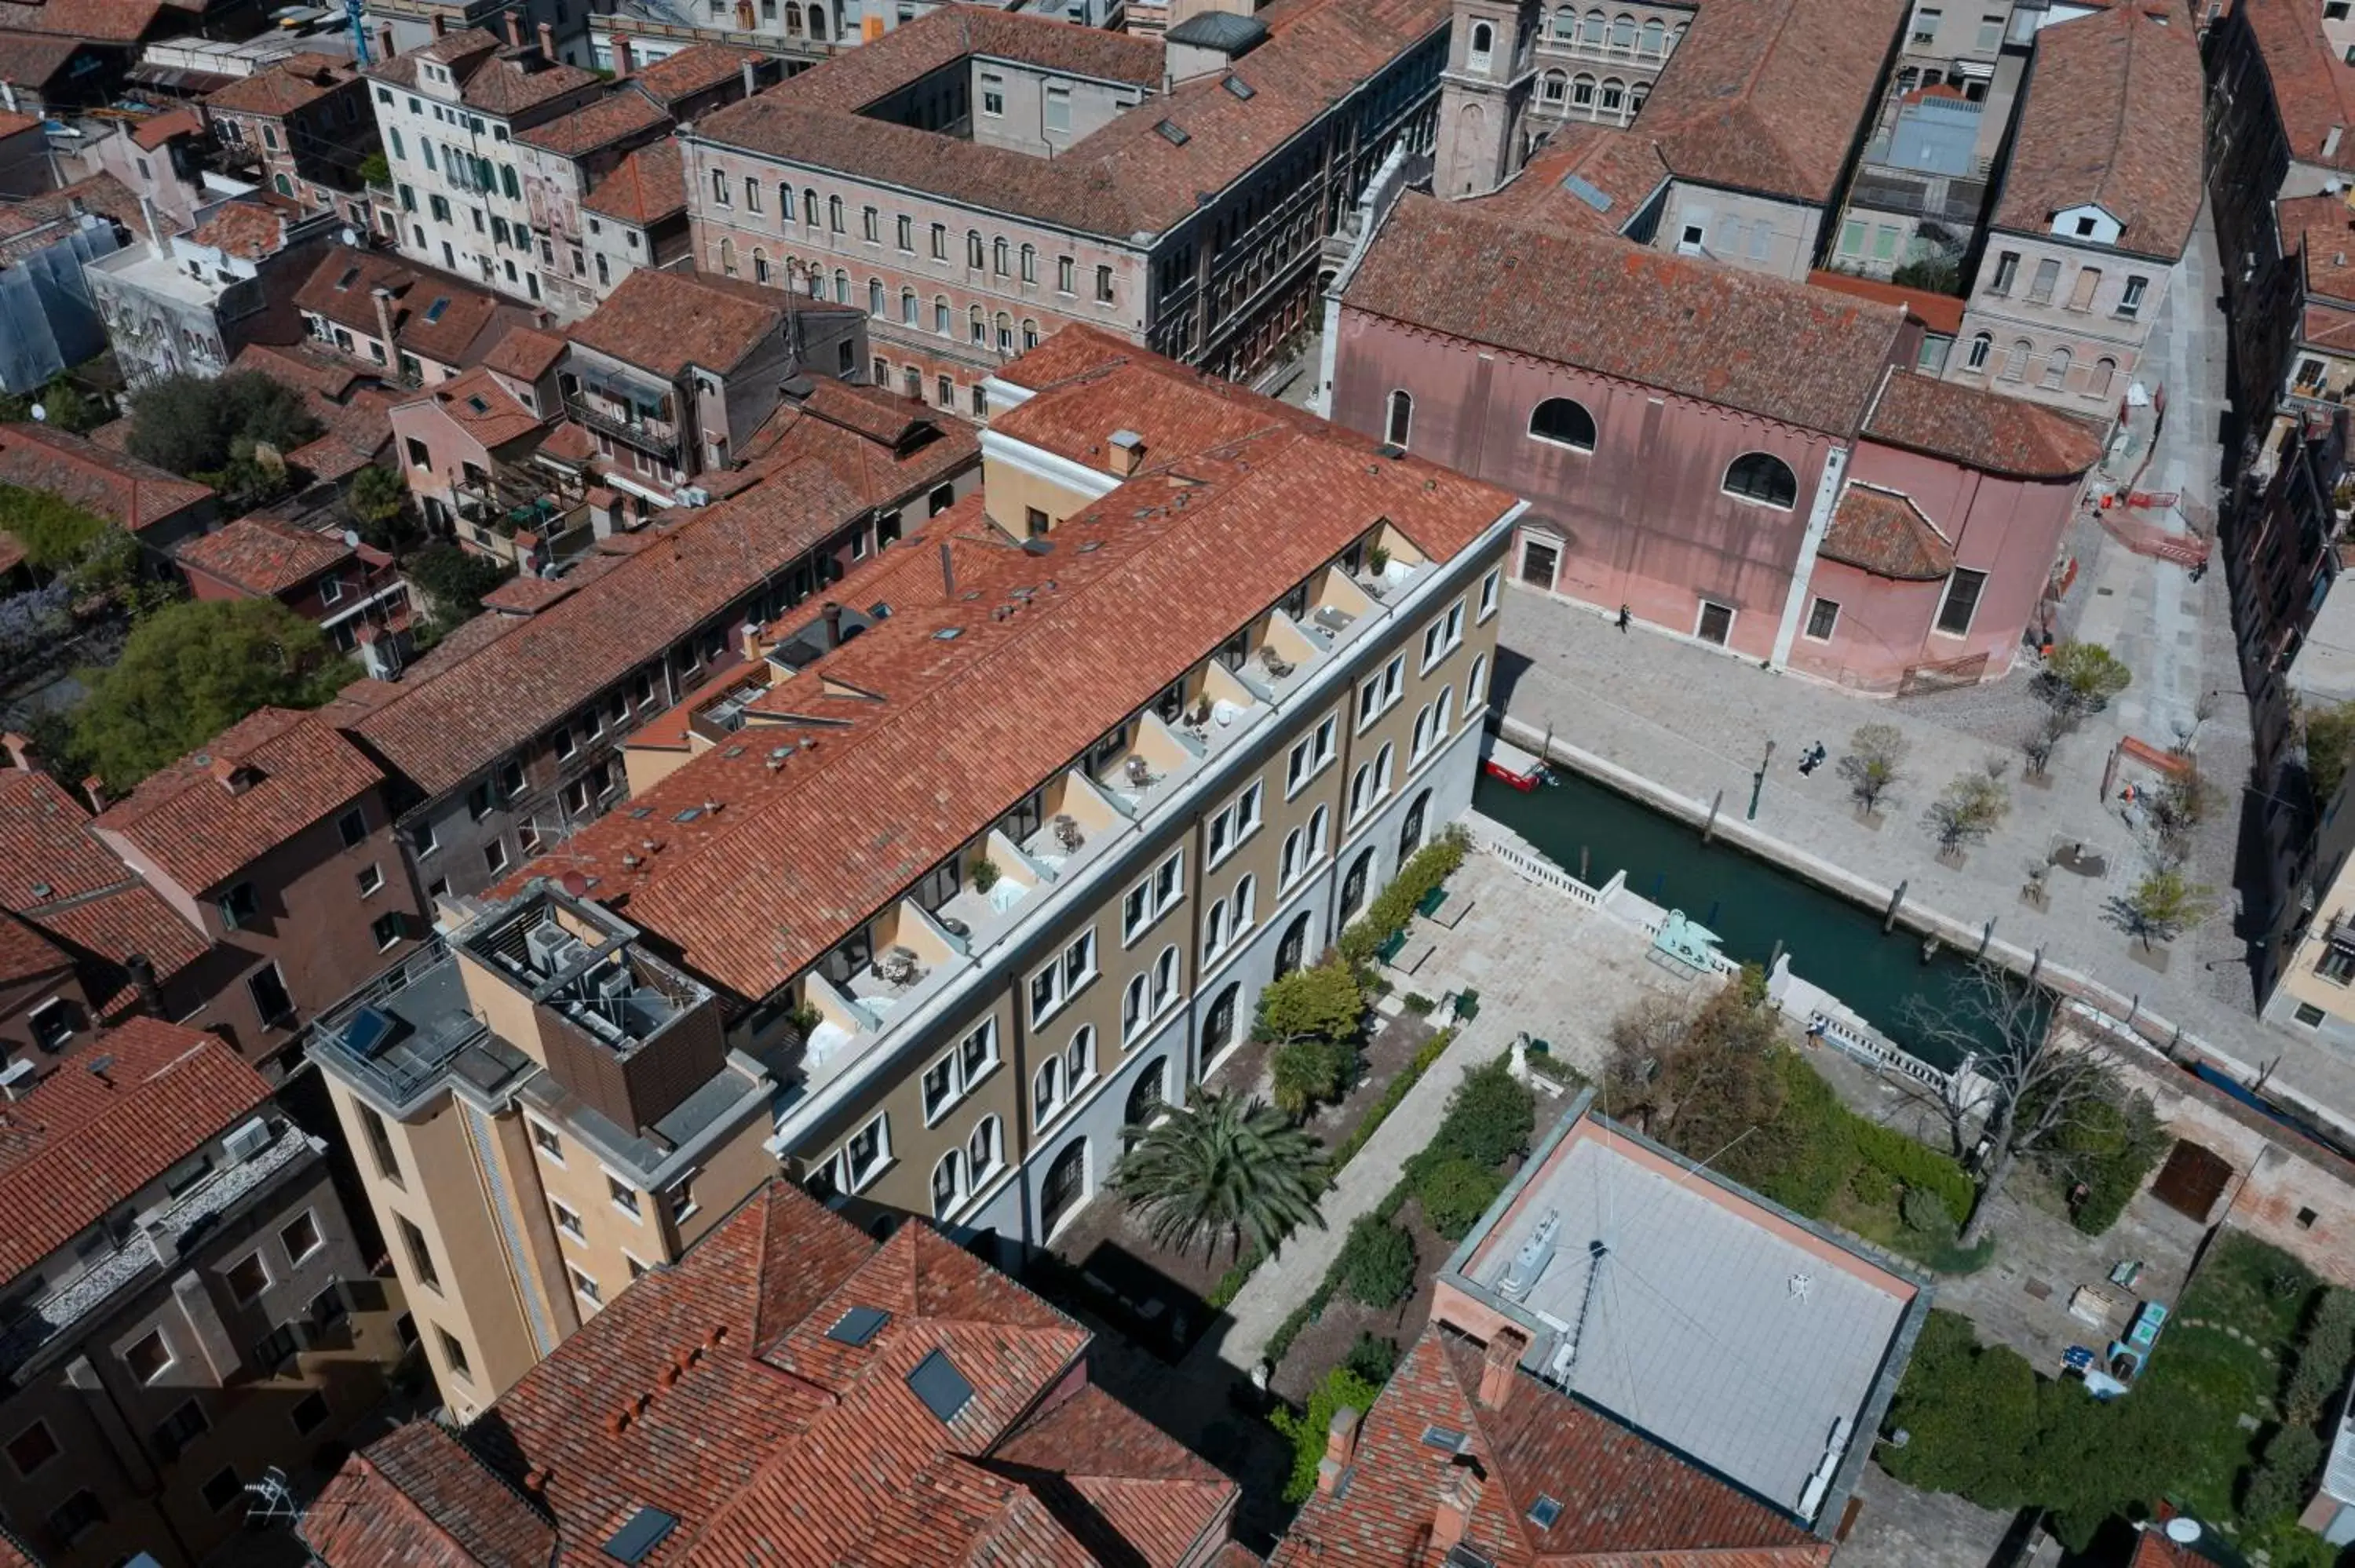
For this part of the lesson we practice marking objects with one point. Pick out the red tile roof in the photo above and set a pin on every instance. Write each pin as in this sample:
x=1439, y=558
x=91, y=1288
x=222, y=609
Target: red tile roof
x=1766, y=96
x=2313, y=87
x=55, y=876
x=109, y=21
x=1940, y=313
x=616, y=117
x=1136, y=591
x=1121, y=179
x=26, y=954
x=645, y=187
x=284, y=86
x=155, y=131
x=254, y=786
x=262, y=559
x=101, y=194
x=1700, y=328
x=2320, y=228
x=357, y=417
x=1883, y=532
x=743, y=1412
x=1558, y=191
x=482, y=407
x=1624, y=1501
x=525, y=353
x=123, y=489
x=85, y=1142
x=665, y=322
x=1986, y=431
x=493, y=78
x=698, y=68
x=453, y=335
x=31, y=59
x=2111, y=116
x=245, y=229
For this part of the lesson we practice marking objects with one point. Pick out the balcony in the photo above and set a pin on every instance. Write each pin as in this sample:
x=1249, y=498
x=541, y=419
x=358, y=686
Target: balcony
x=1949, y=199
x=623, y=423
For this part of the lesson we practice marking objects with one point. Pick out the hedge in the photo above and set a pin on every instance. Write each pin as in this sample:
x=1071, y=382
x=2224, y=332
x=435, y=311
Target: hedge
x=1915, y=1164
x=1387, y=915
x=1341, y=1389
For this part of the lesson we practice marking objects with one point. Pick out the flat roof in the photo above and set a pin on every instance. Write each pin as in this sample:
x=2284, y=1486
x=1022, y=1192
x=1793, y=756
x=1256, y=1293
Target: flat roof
x=1709, y=1320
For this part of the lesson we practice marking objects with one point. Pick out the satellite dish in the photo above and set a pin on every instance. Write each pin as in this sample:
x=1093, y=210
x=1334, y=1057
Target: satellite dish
x=2181, y=1531
x=41, y=413
x=352, y=537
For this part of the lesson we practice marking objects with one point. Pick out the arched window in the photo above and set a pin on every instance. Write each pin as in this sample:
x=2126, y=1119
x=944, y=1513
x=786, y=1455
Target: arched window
x=1410, y=832
x=1005, y=333
x=1065, y=1185
x=1656, y=35
x=977, y=324
x=1622, y=31
x=841, y=288
x=972, y=248
x=1287, y=864
x=1353, y=886
x=1046, y=1091
x=760, y=265
x=1763, y=478
x=2014, y=363
x=1598, y=27
x=985, y=1150
x=728, y=256
x=1029, y=263
x=1383, y=768
x=817, y=280
x=818, y=22
x=1581, y=91
x=784, y=202
x=909, y=309
x=1361, y=790
x=940, y=319
x=1293, y=946
x=1149, y=1095
x=1135, y=1009
x=997, y=254
x=1165, y=980
x=285, y=187
x=1982, y=345
x=1636, y=96
x=948, y=1183
x=1565, y=24
x=2056, y=369
x=792, y=18
x=1554, y=87
x=874, y=296
x=1614, y=95
x=1246, y=904
x=1483, y=44
x=2097, y=381
x=1560, y=419
x=1218, y=1026
x=1399, y=422
x=834, y=213
x=809, y=207
x=1029, y=335
x=1317, y=826
x=1214, y=931
x=1475, y=685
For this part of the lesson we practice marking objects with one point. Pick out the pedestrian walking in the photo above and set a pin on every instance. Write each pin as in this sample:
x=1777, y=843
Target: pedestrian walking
x=1625, y=619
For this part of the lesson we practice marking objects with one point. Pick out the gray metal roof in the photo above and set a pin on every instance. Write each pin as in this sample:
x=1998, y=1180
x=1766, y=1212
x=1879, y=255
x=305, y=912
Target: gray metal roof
x=1221, y=30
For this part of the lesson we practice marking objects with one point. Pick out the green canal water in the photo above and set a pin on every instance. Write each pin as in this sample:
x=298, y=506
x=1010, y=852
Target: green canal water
x=1749, y=903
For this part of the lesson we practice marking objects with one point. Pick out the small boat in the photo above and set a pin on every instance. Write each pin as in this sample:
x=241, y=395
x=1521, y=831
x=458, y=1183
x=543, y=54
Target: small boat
x=1504, y=760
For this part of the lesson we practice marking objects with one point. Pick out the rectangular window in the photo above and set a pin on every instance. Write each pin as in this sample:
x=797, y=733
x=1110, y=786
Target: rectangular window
x=1716, y=622
x=2048, y=277
x=871, y=226
x=1152, y=897
x=2130, y=301
x=454, y=1354
x=248, y=1278
x=1308, y=757
x=2007, y=269
x=1381, y=691
x=1442, y=636
x=993, y=94
x=300, y=1237
x=625, y=1196
x=550, y=1143
x=585, y=1286
x=905, y=233
x=568, y=1220
x=939, y=242
x=1822, y=615
x=182, y=1427
x=1926, y=26
x=1852, y=237
x=1103, y=286
x=421, y=1256
x=867, y=1152
x=149, y=1357
x=379, y=1142
x=2081, y=288
x=1990, y=34
x=1961, y=601
x=1490, y=586
x=1057, y=118
x=1066, y=271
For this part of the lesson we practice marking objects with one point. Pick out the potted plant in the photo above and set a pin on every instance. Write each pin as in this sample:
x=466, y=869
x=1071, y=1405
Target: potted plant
x=985, y=874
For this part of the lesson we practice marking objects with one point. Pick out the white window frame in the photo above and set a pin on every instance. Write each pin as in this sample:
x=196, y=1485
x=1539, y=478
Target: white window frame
x=977, y=1172
x=539, y=1130
x=268, y=1278
x=952, y=1161
x=1815, y=604
x=1491, y=592
x=1310, y=757
x=318, y=1238
x=1062, y=985
x=1381, y=691
x=171, y=1356
x=1214, y=930
x=1057, y=1097
x=585, y=1286
x=1245, y=908
x=1444, y=635
x=1241, y=818
x=880, y=1124
x=1475, y=685
x=1162, y=890
x=634, y=1210
x=962, y=1079
x=562, y=1212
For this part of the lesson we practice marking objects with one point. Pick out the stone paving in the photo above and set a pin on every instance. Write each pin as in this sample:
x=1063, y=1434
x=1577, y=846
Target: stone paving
x=1900, y=1527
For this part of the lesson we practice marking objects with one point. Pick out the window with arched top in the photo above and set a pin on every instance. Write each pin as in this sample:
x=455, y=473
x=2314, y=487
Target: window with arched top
x=841, y=288
x=1656, y=35
x=2056, y=369
x=998, y=251
x=728, y=256
x=1622, y=31
x=874, y=296
x=809, y=207
x=1397, y=417
x=1046, y=1091
x=760, y=265
x=1761, y=477
x=834, y=213
x=1598, y=28
x=2014, y=363
x=818, y=22
x=1563, y=421
x=972, y=252
x=1982, y=345
x=1553, y=86
x=1565, y=24
x=784, y=202
x=940, y=318
x=985, y=1150
x=909, y=309
x=1483, y=44
x=1029, y=335
x=1581, y=91
x=2097, y=381
x=976, y=324
x=948, y=1183
x=1080, y=1056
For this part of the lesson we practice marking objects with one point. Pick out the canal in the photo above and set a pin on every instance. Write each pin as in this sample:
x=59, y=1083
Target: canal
x=1748, y=902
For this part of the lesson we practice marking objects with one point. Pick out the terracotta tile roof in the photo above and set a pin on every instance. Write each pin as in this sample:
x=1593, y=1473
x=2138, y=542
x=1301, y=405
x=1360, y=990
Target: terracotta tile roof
x=645, y=187
x=83, y=1142
x=698, y=68
x=18, y=124
x=1883, y=532
x=900, y=451
x=1624, y=1501
x=2320, y=228
x=247, y=229
x=2313, y=87
x=359, y=429
x=1940, y=313
x=2112, y=117
x=31, y=59
x=875, y=412
x=155, y=130
x=619, y=115
x=262, y=559
x=26, y=954
x=255, y=785
x=2154, y=1549
x=1145, y=585
x=305, y=365
x=749, y=1412
x=1589, y=179
x=287, y=85
x=1700, y=328
x=1767, y=95
x=1987, y=430
x=481, y=406
x=108, y=21
x=461, y=51
x=449, y=335
x=2328, y=327
x=665, y=322
x=101, y=194
x=1124, y=178
x=525, y=353
x=123, y=489
x=55, y=876
x=510, y=83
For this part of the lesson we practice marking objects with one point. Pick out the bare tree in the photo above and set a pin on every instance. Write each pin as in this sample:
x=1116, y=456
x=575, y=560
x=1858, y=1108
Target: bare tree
x=1875, y=760
x=1966, y=811
x=2033, y=1077
x=2042, y=738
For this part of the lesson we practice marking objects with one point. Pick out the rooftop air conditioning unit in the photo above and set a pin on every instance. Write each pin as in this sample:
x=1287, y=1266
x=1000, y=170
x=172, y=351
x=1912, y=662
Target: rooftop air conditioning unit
x=551, y=946
x=244, y=1142
x=1521, y=1274
x=17, y=1078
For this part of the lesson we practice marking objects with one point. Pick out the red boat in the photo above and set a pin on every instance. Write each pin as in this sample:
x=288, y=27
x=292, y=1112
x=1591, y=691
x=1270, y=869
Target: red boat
x=1502, y=760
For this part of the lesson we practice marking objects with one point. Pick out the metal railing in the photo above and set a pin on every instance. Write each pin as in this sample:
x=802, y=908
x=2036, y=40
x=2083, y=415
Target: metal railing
x=653, y=434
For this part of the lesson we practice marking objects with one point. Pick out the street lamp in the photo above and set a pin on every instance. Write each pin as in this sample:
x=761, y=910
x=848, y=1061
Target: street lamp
x=1758, y=782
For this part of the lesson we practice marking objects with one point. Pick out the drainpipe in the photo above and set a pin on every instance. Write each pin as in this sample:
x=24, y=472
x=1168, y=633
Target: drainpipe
x=1803, y=571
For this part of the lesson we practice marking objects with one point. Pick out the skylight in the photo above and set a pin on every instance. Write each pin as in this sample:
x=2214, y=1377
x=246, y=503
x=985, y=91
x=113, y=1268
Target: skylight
x=478, y=405
x=351, y=275
x=1446, y=1437
x=858, y=1325
x=1173, y=134
x=1544, y=1511
x=434, y=311
x=1239, y=88
x=1586, y=191
x=640, y=1535
x=940, y=1386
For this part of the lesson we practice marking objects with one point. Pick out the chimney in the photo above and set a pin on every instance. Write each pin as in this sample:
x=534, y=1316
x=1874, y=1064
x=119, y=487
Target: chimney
x=233, y=775
x=1127, y=452
x=93, y=789
x=515, y=29
x=948, y=571
x=547, y=41
x=1497, y=1367
x=752, y=80
x=383, y=298
x=21, y=753
x=1459, y=1494
x=1341, y=1448
x=833, y=614
x=749, y=635
x=384, y=43
x=622, y=64
x=441, y=23
x=142, y=981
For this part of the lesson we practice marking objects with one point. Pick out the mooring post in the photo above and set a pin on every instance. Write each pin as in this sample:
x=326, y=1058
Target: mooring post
x=2036, y=964
x=1581, y=867
x=1775, y=958
x=1709, y=829
x=1888, y=919
x=2134, y=1011
x=1985, y=937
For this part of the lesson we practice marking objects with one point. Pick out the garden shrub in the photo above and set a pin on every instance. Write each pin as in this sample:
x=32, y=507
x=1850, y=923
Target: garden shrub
x=1340, y=1389
x=2111, y=1149
x=2322, y=1358
x=1915, y=1164
x=1371, y=1359
x=1376, y=1264
x=1923, y=1210
x=1455, y=1192
x=1489, y=1118
x=1387, y=915
x=2279, y=1481
x=1309, y=1071
x=1972, y=1414
x=50, y=530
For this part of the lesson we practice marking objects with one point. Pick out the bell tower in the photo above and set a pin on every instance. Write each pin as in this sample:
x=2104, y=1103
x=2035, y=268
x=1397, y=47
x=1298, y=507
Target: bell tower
x=1484, y=95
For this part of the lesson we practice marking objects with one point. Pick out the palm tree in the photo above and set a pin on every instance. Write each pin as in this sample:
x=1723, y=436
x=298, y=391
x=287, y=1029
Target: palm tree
x=1222, y=1168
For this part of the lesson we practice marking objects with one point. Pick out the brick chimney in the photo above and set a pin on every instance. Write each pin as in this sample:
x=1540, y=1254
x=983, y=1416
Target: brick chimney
x=624, y=64
x=1128, y=453
x=93, y=789
x=515, y=29
x=749, y=637
x=1341, y=1448
x=1497, y=1367
x=384, y=49
x=382, y=297
x=547, y=41
x=1459, y=1494
x=21, y=751
x=441, y=23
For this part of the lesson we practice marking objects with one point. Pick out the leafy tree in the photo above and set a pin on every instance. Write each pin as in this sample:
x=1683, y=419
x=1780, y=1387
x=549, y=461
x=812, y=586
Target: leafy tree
x=1696, y=1079
x=1966, y=811
x=52, y=530
x=377, y=505
x=2100, y=1156
x=1455, y=1192
x=190, y=671
x=1320, y=1003
x=1938, y=274
x=2161, y=906
x=376, y=169
x=193, y=426
x=1876, y=754
x=1343, y=1388
x=1970, y=1415
x=254, y=478
x=1489, y=1118
x=1308, y=1072
x=454, y=581
x=2322, y=1359
x=63, y=405
x=2282, y=1479
x=1371, y=1359
x=2080, y=678
x=1221, y=1168
x=2329, y=742
x=31, y=625
x=1377, y=1262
